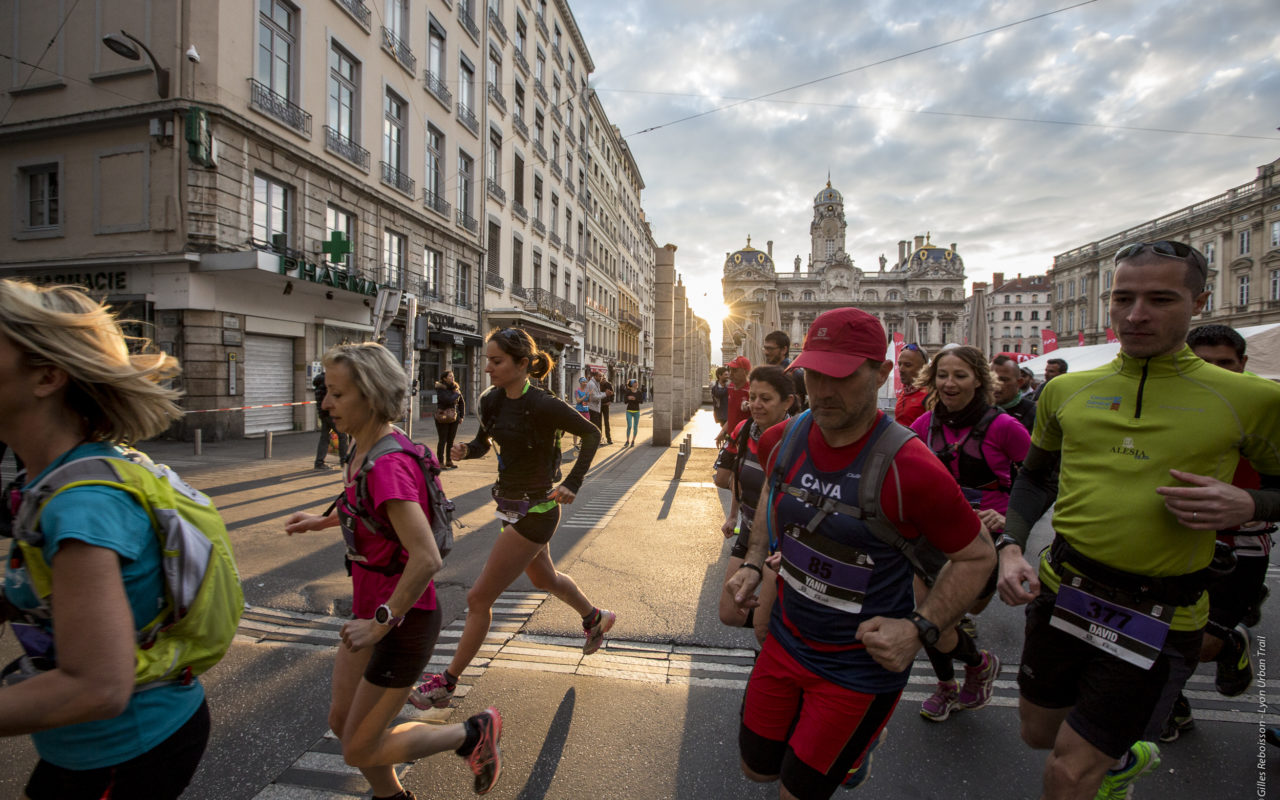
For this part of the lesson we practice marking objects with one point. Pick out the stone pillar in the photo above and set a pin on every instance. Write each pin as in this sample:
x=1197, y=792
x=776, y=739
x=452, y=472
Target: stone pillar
x=663, y=331
x=680, y=358
x=693, y=395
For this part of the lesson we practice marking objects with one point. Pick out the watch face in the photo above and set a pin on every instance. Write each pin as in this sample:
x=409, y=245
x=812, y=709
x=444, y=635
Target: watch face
x=382, y=616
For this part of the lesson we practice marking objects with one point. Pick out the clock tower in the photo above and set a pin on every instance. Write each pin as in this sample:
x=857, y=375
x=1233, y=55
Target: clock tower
x=827, y=231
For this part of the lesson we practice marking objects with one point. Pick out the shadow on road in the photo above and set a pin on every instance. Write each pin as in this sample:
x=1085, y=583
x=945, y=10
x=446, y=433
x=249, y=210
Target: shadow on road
x=544, y=767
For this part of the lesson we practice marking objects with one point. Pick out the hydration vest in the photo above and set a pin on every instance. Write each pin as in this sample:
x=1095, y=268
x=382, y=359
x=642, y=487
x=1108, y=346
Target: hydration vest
x=527, y=436
x=973, y=470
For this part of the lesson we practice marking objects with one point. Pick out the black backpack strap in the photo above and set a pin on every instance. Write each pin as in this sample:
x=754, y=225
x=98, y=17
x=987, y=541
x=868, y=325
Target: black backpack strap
x=796, y=428
x=740, y=454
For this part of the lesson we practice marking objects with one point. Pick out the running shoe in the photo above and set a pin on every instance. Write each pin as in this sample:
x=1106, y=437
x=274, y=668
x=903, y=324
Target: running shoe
x=1235, y=663
x=969, y=625
x=1118, y=783
x=1180, y=720
x=595, y=634
x=946, y=699
x=979, y=681
x=859, y=772
x=485, y=759
x=435, y=693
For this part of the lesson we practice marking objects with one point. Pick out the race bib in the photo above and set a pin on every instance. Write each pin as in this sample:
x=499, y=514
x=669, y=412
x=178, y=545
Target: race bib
x=510, y=511
x=1130, y=631
x=824, y=571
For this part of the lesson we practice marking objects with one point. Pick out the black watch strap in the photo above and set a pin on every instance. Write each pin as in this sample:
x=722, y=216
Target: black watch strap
x=1004, y=540
x=926, y=630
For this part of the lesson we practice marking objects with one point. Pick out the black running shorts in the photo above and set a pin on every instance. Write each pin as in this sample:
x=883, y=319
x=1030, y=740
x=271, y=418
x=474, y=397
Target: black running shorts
x=538, y=528
x=1111, y=700
x=400, y=657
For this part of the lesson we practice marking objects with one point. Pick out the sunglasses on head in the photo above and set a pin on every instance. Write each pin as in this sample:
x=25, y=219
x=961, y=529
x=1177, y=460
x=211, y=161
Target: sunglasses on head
x=1166, y=249
x=912, y=346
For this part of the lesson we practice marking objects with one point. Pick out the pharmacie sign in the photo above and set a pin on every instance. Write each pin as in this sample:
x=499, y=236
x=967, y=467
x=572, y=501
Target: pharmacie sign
x=327, y=274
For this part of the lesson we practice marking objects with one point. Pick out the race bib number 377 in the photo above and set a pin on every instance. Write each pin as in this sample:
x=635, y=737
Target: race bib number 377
x=1132, y=632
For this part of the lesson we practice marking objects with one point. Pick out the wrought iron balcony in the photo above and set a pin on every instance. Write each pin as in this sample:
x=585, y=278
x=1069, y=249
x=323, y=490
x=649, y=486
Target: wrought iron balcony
x=396, y=179
x=631, y=318
x=540, y=90
x=279, y=108
x=521, y=128
x=468, y=118
x=555, y=170
x=399, y=49
x=539, y=226
x=519, y=291
x=568, y=250
x=435, y=202
x=467, y=221
x=569, y=137
x=584, y=199
x=555, y=53
x=581, y=260
x=519, y=211
x=555, y=114
x=495, y=191
x=493, y=280
x=554, y=308
x=358, y=10
x=497, y=99
x=436, y=87
x=521, y=62
x=554, y=238
x=465, y=17
x=542, y=25
x=539, y=149
x=343, y=147
x=496, y=24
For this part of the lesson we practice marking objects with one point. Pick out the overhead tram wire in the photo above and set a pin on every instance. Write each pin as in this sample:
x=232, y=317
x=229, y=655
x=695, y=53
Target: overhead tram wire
x=863, y=67
x=14, y=101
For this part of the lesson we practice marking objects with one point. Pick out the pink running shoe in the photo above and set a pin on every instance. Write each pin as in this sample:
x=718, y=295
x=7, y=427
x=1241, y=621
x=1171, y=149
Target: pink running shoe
x=979, y=681
x=485, y=759
x=435, y=693
x=595, y=634
x=943, y=701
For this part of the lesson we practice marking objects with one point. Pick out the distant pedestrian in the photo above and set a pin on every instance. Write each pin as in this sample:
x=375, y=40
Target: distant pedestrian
x=594, y=396
x=327, y=429
x=739, y=368
x=1052, y=369
x=520, y=423
x=720, y=397
x=606, y=391
x=396, y=619
x=450, y=409
x=632, y=396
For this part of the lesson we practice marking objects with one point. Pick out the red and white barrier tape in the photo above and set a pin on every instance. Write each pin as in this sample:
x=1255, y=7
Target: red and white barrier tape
x=246, y=408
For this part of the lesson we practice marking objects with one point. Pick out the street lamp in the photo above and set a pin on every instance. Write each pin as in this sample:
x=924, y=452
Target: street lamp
x=121, y=47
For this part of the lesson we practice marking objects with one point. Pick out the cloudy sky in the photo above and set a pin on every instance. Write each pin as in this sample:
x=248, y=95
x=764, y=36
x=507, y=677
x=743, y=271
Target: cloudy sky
x=1017, y=144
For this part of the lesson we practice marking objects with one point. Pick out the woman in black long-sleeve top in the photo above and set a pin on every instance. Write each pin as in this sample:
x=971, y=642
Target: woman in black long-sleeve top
x=450, y=409
x=523, y=424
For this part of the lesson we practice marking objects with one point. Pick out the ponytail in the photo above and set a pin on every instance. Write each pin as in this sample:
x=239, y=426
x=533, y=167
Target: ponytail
x=540, y=364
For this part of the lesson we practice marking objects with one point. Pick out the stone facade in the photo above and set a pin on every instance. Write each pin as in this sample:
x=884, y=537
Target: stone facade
x=1017, y=310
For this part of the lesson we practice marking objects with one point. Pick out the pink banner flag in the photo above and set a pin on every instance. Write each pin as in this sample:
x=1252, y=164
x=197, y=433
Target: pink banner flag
x=898, y=342
x=1080, y=339
x=1050, y=340
x=1111, y=336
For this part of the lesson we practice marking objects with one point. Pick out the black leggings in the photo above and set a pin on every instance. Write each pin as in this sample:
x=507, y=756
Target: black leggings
x=445, y=432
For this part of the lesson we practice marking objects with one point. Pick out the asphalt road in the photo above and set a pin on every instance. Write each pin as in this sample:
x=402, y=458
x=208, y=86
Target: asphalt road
x=653, y=715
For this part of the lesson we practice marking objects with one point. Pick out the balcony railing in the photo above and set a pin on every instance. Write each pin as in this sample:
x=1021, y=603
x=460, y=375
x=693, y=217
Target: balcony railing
x=539, y=149
x=273, y=105
x=519, y=211
x=631, y=318
x=555, y=170
x=521, y=62
x=468, y=118
x=436, y=87
x=435, y=202
x=554, y=238
x=467, y=221
x=519, y=291
x=496, y=24
x=584, y=199
x=465, y=17
x=570, y=138
x=358, y=10
x=555, y=114
x=341, y=146
x=542, y=25
x=396, y=179
x=493, y=280
x=495, y=191
x=581, y=260
x=521, y=128
x=540, y=90
x=539, y=226
x=555, y=53
x=497, y=99
x=399, y=49
x=554, y=308
x=568, y=184
x=568, y=250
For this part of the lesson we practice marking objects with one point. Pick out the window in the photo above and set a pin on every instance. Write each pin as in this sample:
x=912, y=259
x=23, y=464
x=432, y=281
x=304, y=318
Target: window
x=393, y=131
x=271, y=201
x=435, y=51
x=1275, y=234
x=522, y=35
x=540, y=67
x=1035, y=331
x=831, y=248
x=493, y=167
x=277, y=33
x=554, y=220
x=1006, y=332
x=344, y=90
x=1071, y=320
x=537, y=197
x=466, y=85
x=1208, y=303
x=537, y=271
x=1210, y=252
x=1008, y=315
x=1071, y=288
x=555, y=149
x=1273, y=293
x=40, y=185
x=947, y=329
x=1035, y=298
x=517, y=179
x=431, y=263
x=1244, y=242
x=1243, y=283
x=337, y=220
x=493, y=70
x=1018, y=299
x=807, y=296
x=539, y=125
x=551, y=284
x=517, y=262
x=555, y=92
x=435, y=165
x=397, y=18
x=392, y=258
x=1035, y=314
x=1017, y=331
x=463, y=289
x=466, y=174
x=922, y=330
x=1006, y=300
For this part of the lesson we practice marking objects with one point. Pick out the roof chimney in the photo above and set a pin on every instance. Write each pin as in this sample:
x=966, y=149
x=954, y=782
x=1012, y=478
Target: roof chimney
x=769, y=247
x=953, y=247
x=997, y=280
x=919, y=242
x=902, y=251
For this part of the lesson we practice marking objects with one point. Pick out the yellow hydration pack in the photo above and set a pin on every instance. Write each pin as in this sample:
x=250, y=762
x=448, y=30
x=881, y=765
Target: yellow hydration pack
x=203, y=594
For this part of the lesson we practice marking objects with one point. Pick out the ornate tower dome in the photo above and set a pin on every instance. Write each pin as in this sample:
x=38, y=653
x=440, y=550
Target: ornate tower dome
x=930, y=258
x=828, y=195
x=748, y=257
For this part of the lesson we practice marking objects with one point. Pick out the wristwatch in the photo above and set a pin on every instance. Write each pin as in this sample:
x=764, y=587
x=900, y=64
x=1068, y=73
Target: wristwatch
x=926, y=630
x=383, y=616
x=1003, y=541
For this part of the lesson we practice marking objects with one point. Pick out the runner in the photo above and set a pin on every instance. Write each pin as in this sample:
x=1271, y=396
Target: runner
x=910, y=402
x=522, y=423
x=842, y=634
x=981, y=446
x=738, y=368
x=738, y=468
x=631, y=394
x=71, y=389
x=1117, y=608
x=396, y=619
x=1009, y=397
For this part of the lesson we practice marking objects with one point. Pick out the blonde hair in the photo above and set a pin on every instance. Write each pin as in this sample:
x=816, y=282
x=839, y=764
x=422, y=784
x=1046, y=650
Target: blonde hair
x=377, y=375
x=974, y=359
x=117, y=393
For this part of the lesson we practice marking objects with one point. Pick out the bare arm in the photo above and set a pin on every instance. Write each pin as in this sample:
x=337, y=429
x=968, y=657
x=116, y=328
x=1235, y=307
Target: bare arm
x=723, y=478
x=94, y=635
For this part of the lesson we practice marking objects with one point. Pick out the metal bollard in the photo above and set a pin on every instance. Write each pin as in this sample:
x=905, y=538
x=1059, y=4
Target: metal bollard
x=266, y=445
x=199, y=442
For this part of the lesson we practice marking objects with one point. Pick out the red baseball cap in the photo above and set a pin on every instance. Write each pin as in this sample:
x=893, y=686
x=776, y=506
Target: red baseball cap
x=740, y=361
x=839, y=341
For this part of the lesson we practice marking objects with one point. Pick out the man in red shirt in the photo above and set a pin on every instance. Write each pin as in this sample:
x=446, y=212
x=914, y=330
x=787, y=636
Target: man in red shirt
x=843, y=631
x=910, y=402
x=739, y=389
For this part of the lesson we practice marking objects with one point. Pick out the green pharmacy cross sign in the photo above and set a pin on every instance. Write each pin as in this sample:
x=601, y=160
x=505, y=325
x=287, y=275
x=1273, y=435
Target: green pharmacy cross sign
x=336, y=248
